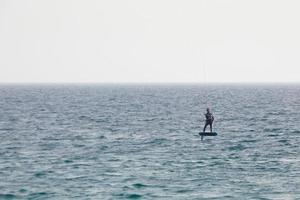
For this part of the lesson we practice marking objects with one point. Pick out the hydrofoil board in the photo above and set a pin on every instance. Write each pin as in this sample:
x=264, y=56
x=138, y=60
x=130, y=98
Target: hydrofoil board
x=208, y=133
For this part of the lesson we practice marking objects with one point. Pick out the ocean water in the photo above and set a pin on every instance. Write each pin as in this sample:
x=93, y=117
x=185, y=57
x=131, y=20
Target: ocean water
x=142, y=142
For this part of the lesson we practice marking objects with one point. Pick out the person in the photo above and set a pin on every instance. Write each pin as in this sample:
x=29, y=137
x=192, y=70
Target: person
x=209, y=119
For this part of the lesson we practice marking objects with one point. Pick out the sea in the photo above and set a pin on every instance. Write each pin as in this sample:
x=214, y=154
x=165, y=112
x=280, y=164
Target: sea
x=141, y=141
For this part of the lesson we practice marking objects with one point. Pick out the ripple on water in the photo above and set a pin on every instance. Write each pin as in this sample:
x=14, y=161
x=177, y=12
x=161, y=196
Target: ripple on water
x=272, y=130
x=8, y=196
x=158, y=141
x=134, y=196
x=272, y=135
x=37, y=195
x=102, y=137
x=284, y=141
x=40, y=174
x=68, y=161
x=22, y=190
x=249, y=141
x=139, y=143
x=238, y=147
x=128, y=196
x=139, y=185
x=184, y=191
x=296, y=131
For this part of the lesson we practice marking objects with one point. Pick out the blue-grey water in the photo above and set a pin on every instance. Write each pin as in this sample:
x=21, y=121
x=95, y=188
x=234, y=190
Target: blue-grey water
x=141, y=142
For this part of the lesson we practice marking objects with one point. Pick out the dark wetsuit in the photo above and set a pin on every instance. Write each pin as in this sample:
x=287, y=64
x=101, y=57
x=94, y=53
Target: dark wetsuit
x=208, y=121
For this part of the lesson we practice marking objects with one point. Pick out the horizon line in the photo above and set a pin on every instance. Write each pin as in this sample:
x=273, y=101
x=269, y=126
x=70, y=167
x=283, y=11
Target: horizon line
x=149, y=83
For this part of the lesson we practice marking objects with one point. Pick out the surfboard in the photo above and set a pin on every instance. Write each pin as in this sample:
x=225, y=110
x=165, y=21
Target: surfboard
x=208, y=133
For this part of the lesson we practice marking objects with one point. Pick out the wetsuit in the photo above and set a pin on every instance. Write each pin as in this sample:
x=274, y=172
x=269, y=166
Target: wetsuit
x=208, y=121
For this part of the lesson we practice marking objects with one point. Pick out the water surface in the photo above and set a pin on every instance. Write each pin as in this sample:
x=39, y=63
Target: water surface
x=141, y=142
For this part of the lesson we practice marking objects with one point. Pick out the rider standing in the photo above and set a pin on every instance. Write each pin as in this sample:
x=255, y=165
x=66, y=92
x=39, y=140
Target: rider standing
x=209, y=119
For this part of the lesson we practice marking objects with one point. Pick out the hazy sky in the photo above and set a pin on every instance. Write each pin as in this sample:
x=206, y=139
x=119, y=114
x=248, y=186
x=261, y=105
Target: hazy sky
x=149, y=40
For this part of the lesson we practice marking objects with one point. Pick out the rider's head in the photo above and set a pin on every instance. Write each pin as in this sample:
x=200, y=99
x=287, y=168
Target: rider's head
x=208, y=110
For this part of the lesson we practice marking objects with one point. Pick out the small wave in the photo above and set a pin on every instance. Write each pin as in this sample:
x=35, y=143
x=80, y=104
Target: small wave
x=184, y=191
x=272, y=129
x=13, y=119
x=68, y=161
x=79, y=145
x=13, y=148
x=104, y=147
x=39, y=174
x=296, y=131
x=134, y=196
x=39, y=128
x=216, y=163
x=272, y=135
x=37, y=195
x=22, y=190
x=43, y=173
x=114, y=160
x=283, y=141
x=248, y=141
x=159, y=141
x=139, y=185
x=101, y=120
x=83, y=117
x=237, y=147
x=6, y=129
x=53, y=139
x=148, y=120
x=7, y=196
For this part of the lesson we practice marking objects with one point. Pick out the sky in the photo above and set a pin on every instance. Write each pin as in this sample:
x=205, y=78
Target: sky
x=149, y=41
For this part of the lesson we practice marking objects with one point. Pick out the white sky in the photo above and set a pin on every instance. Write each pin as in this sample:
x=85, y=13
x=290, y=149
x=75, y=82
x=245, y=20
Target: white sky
x=149, y=40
